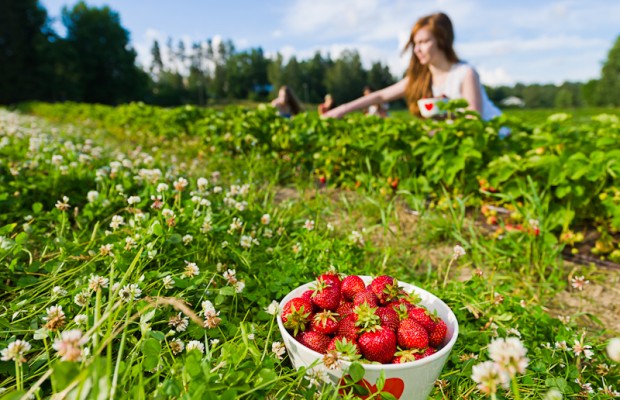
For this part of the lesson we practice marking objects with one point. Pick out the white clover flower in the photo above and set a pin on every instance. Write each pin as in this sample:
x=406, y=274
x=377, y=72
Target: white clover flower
x=92, y=196
x=82, y=298
x=206, y=225
x=509, y=355
x=487, y=376
x=191, y=269
x=245, y=242
x=330, y=227
x=130, y=243
x=205, y=203
x=217, y=189
x=57, y=159
x=236, y=224
x=230, y=275
x=553, y=394
x=357, y=239
x=579, y=282
x=613, y=349
x=178, y=322
x=130, y=292
x=239, y=286
x=106, y=249
x=187, y=239
x=265, y=219
x=214, y=342
x=64, y=204
x=195, y=345
x=458, y=252
x=268, y=233
x=224, y=244
x=273, y=308
x=162, y=187
x=202, y=184
x=68, y=346
x=117, y=221
x=296, y=248
x=278, y=349
x=208, y=308
x=579, y=348
x=168, y=282
x=180, y=184
x=561, y=345
x=55, y=317
x=167, y=213
x=133, y=200
x=309, y=225
x=16, y=351
x=96, y=282
x=251, y=336
x=81, y=319
x=59, y=291
x=176, y=346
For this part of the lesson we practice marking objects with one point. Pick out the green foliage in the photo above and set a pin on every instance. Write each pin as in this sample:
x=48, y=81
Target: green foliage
x=51, y=254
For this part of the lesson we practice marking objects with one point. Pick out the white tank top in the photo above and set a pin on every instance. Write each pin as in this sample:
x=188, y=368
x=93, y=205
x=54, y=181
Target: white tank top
x=451, y=88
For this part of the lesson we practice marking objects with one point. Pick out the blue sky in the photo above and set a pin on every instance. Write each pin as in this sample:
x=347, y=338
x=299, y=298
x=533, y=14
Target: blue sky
x=529, y=41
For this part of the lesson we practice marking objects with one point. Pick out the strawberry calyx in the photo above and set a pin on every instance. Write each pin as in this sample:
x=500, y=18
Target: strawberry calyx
x=367, y=320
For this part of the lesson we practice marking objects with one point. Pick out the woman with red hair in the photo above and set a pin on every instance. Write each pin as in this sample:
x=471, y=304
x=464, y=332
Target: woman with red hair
x=434, y=71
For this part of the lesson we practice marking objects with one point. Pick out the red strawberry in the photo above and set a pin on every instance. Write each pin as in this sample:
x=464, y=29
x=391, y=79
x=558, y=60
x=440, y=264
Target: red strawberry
x=407, y=356
x=296, y=314
x=412, y=335
x=325, y=322
x=402, y=307
x=351, y=285
x=307, y=295
x=316, y=341
x=438, y=335
x=367, y=296
x=347, y=328
x=378, y=345
x=331, y=278
x=389, y=318
x=344, y=345
x=429, y=351
x=345, y=308
x=423, y=317
x=326, y=296
x=385, y=288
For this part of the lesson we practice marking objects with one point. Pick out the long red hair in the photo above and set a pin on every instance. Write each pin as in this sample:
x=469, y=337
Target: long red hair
x=420, y=79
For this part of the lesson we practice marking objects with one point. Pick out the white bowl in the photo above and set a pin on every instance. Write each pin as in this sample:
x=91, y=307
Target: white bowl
x=408, y=381
x=429, y=106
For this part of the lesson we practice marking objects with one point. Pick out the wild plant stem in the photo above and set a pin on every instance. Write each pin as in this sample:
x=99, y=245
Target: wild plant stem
x=119, y=358
x=96, y=317
x=445, y=277
x=515, y=388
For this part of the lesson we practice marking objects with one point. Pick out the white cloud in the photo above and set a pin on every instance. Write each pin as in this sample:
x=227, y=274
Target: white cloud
x=495, y=76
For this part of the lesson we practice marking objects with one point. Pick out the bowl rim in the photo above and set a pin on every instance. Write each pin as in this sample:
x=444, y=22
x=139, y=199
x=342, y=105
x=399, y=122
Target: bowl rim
x=443, y=352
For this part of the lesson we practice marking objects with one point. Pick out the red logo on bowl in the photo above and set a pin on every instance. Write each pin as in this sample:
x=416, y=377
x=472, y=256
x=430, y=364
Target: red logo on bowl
x=428, y=106
x=393, y=386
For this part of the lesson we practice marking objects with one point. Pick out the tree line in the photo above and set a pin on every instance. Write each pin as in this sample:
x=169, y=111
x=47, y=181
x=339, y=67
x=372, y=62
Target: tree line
x=95, y=63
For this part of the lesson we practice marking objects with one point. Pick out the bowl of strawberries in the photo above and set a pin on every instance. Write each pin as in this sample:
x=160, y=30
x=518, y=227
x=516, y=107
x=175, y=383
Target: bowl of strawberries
x=397, y=331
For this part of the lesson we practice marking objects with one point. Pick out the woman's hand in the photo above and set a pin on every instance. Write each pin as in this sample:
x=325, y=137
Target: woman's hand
x=337, y=112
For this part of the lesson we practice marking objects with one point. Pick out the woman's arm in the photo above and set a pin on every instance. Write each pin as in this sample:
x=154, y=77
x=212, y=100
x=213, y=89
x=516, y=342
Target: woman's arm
x=471, y=90
x=390, y=93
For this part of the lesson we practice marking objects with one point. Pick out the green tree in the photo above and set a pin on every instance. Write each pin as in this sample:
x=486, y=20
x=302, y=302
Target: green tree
x=346, y=79
x=106, y=67
x=609, y=84
x=379, y=76
x=27, y=59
